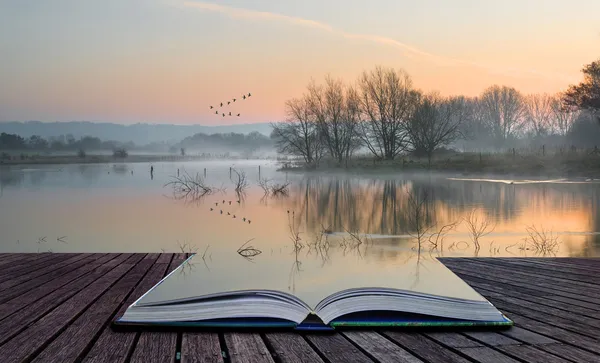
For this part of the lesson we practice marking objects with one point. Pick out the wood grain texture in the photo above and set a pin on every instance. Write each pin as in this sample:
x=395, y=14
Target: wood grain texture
x=201, y=348
x=291, y=348
x=380, y=348
x=336, y=348
x=247, y=348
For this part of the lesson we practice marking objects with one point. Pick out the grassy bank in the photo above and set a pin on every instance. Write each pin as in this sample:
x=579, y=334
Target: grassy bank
x=93, y=159
x=574, y=164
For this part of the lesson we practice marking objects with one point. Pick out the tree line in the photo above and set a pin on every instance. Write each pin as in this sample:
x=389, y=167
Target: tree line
x=384, y=114
x=60, y=143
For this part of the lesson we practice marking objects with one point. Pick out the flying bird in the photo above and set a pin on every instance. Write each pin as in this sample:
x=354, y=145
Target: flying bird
x=223, y=115
x=229, y=202
x=228, y=213
x=234, y=100
x=211, y=107
x=211, y=209
x=249, y=94
x=244, y=219
x=221, y=104
x=238, y=115
x=234, y=216
x=249, y=221
x=216, y=112
x=228, y=102
x=221, y=212
x=244, y=97
x=217, y=203
x=229, y=113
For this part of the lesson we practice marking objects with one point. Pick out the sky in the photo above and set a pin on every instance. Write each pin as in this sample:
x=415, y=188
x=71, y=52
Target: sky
x=167, y=61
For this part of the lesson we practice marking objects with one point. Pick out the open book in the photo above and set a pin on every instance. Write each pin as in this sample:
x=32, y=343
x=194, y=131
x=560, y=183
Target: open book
x=373, y=297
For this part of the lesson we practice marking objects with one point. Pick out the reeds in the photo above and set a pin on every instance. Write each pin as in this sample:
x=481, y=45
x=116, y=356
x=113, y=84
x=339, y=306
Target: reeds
x=248, y=251
x=190, y=187
x=478, y=227
x=541, y=241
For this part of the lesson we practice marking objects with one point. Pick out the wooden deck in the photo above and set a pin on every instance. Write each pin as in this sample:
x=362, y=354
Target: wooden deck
x=57, y=308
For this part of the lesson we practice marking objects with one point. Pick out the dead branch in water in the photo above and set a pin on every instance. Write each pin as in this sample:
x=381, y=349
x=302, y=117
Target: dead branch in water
x=239, y=180
x=248, y=252
x=478, y=227
x=189, y=186
x=541, y=241
x=436, y=240
x=280, y=189
x=264, y=184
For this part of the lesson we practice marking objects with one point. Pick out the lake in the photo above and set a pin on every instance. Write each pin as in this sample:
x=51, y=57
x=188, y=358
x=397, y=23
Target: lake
x=376, y=219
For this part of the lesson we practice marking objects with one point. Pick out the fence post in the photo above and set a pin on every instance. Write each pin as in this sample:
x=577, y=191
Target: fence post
x=205, y=172
x=259, y=172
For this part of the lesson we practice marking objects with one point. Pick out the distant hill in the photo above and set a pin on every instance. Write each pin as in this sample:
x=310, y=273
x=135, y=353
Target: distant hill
x=140, y=134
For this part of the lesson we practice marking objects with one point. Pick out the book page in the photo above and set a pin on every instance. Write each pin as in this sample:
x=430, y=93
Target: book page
x=310, y=278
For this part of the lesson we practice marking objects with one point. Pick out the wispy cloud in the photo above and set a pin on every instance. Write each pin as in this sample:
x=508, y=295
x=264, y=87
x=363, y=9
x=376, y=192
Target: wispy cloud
x=407, y=50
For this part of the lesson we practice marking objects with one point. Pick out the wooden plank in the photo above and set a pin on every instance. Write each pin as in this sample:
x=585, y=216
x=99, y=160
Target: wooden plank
x=493, y=270
x=32, y=264
x=544, y=269
x=336, y=348
x=155, y=346
x=511, y=295
x=51, y=265
x=527, y=336
x=291, y=348
x=571, y=353
x=491, y=338
x=19, y=258
x=201, y=348
x=247, y=348
x=28, y=308
x=453, y=340
x=486, y=355
x=542, y=286
x=31, y=341
x=380, y=348
x=113, y=346
x=70, y=345
x=425, y=348
x=18, y=290
x=531, y=354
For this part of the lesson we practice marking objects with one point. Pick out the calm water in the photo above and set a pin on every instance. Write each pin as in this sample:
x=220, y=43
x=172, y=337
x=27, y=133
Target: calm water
x=120, y=208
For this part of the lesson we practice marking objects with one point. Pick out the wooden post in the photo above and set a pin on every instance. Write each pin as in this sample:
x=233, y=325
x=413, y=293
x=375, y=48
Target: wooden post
x=543, y=150
x=205, y=172
x=259, y=172
x=230, y=172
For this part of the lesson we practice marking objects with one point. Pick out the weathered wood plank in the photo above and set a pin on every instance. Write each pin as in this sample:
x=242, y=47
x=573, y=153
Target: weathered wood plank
x=73, y=341
x=486, y=355
x=113, y=346
x=19, y=290
x=247, y=348
x=543, y=286
x=31, y=341
x=155, y=346
x=336, y=348
x=32, y=264
x=425, y=348
x=453, y=340
x=571, y=353
x=531, y=354
x=19, y=314
x=490, y=338
x=201, y=348
x=19, y=258
x=546, y=270
x=527, y=336
x=50, y=266
x=291, y=348
x=380, y=348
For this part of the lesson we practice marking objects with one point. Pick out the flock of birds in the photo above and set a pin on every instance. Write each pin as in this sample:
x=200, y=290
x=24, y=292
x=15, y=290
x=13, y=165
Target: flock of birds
x=243, y=219
x=227, y=103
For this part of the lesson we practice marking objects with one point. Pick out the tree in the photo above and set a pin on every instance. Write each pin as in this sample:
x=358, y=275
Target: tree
x=36, y=142
x=335, y=110
x=538, y=113
x=387, y=102
x=504, y=108
x=298, y=134
x=564, y=116
x=11, y=142
x=586, y=95
x=435, y=122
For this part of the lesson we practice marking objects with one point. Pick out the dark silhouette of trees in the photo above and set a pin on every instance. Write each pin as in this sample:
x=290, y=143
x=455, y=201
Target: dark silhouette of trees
x=387, y=100
x=586, y=95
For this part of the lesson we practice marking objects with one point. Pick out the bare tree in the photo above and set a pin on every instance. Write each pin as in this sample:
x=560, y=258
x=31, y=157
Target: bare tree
x=298, y=135
x=504, y=108
x=563, y=115
x=435, y=122
x=387, y=100
x=538, y=111
x=336, y=125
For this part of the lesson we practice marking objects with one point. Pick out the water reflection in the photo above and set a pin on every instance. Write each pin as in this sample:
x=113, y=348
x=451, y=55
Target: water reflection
x=118, y=208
